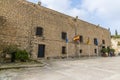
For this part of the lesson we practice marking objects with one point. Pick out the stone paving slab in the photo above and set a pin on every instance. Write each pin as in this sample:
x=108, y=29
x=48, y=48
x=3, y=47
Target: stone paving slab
x=88, y=69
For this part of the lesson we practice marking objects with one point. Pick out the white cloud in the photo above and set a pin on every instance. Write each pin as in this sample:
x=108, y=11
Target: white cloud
x=103, y=12
x=103, y=8
x=58, y=5
x=64, y=7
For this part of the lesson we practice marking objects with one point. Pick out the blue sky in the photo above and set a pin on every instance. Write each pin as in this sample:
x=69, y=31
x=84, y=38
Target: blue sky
x=106, y=13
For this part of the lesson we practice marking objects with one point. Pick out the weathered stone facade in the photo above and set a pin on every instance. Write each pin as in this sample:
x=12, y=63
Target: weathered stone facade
x=115, y=44
x=19, y=20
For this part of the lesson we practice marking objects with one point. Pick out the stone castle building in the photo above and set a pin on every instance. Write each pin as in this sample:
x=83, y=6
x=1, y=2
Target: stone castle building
x=47, y=33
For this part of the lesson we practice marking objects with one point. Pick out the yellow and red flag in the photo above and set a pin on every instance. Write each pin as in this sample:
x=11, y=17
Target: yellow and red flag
x=76, y=38
x=88, y=40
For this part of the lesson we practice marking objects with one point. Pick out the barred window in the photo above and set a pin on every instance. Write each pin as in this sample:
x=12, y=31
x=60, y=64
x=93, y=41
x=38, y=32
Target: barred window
x=81, y=39
x=103, y=41
x=39, y=31
x=64, y=35
x=95, y=51
x=81, y=51
x=63, y=50
x=95, y=41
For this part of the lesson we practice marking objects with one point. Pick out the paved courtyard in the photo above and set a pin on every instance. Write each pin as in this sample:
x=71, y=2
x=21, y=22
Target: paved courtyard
x=73, y=69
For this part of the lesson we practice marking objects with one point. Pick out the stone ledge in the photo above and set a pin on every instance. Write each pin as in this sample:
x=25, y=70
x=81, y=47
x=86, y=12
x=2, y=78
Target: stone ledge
x=18, y=65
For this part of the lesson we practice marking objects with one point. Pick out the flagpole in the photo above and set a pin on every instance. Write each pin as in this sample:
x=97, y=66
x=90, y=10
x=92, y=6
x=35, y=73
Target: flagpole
x=97, y=48
x=97, y=51
x=67, y=50
x=89, y=50
x=88, y=44
x=67, y=45
x=79, y=49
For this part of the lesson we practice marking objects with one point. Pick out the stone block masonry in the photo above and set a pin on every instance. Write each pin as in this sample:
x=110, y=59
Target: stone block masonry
x=19, y=21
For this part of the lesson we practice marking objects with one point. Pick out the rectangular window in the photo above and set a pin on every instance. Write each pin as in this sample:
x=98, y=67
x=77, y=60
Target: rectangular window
x=80, y=50
x=63, y=50
x=103, y=41
x=81, y=39
x=39, y=31
x=64, y=35
x=95, y=51
x=103, y=46
x=95, y=41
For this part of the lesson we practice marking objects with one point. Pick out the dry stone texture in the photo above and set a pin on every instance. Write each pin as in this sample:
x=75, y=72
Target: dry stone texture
x=19, y=19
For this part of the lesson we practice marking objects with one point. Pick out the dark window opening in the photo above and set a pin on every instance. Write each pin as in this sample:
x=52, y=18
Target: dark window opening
x=39, y=31
x=64, y=35
x=63, y=50
x=95, y=51
x=103, y=46
x=80, y=50
x=81, y=39
x=103, y=41
x=95, y=41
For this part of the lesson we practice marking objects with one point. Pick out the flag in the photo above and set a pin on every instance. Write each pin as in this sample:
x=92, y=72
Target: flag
x=66, y=40
x=88, y=40
x=76, y=38
x=96, y=42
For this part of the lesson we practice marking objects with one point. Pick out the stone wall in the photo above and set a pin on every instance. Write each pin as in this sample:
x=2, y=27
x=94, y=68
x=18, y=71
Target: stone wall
x=21, y=18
